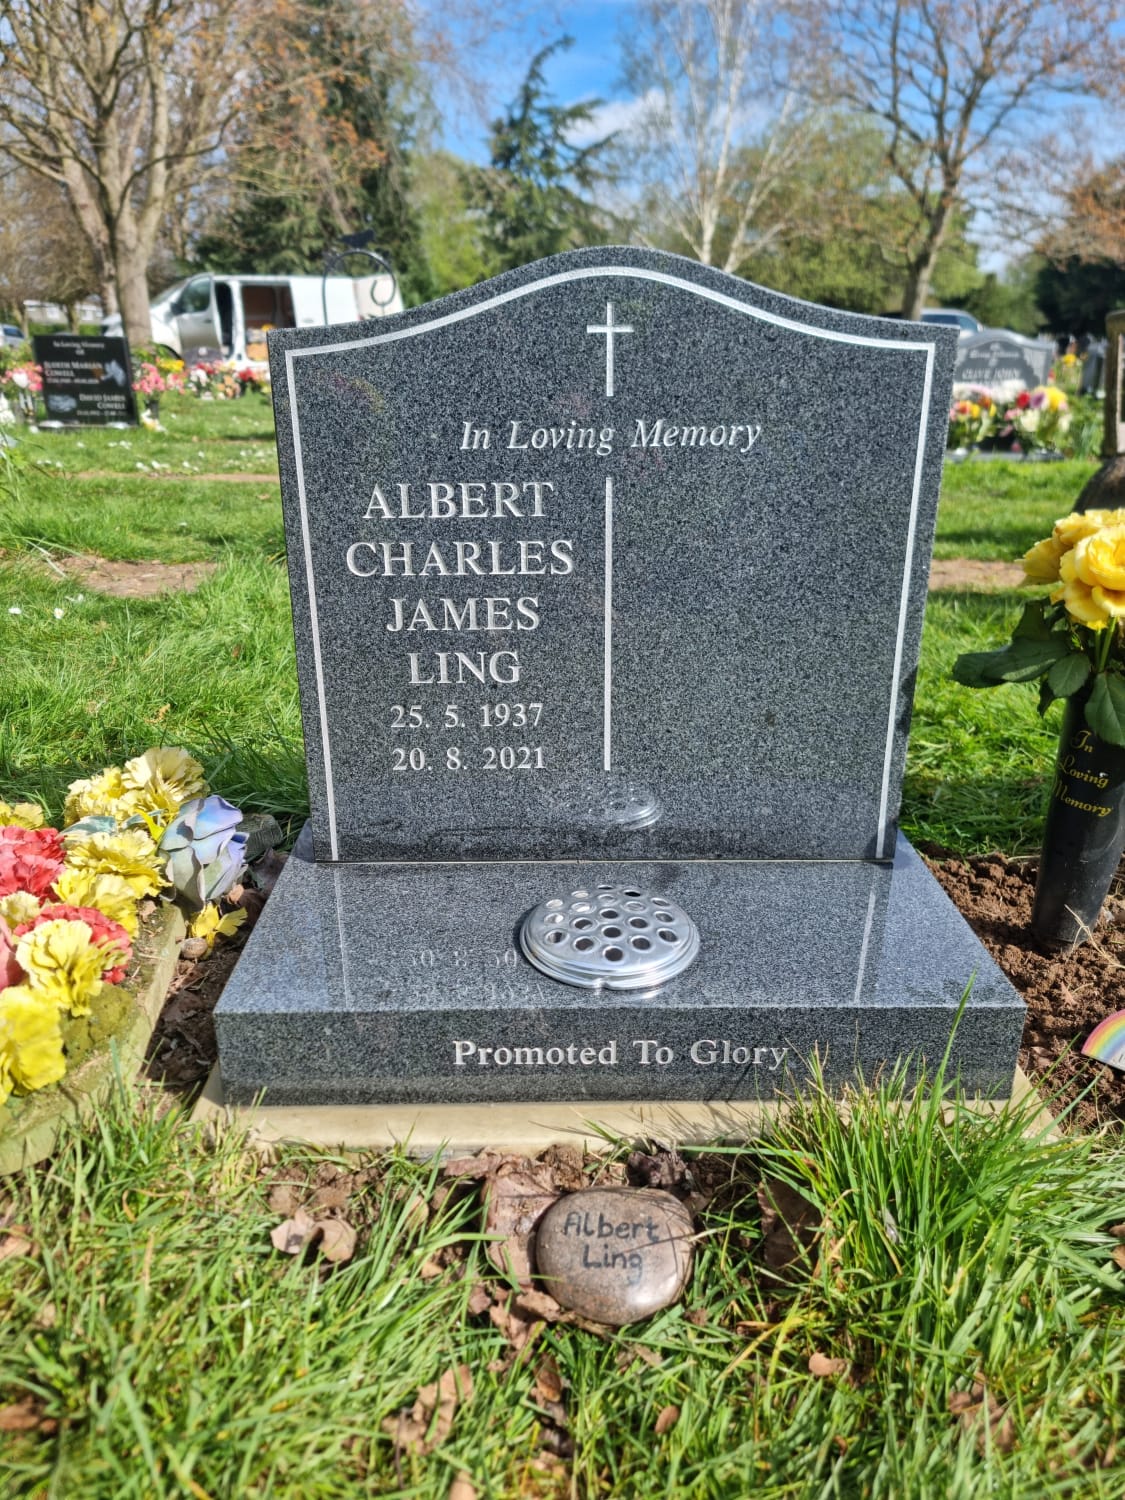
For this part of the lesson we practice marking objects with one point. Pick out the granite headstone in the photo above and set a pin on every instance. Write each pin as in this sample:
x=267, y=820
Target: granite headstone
x=87, y=380
x=607, y=575
x=1004, y=363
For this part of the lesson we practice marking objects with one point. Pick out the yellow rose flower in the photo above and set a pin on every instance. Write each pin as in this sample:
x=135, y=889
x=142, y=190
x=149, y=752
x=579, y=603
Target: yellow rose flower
x=19, y=907
x=98, y=796
x=21, y=815
x=31, y=1050
x=129, y=852
x=163, y=779
x=1099, y=559
x=111, y=894
x=61, y=961
x=1041, y=562
x=1071, y=529
x=1079, y=597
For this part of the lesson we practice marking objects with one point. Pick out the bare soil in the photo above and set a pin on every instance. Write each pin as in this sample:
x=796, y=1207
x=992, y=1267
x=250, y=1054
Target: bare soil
x=975, y=573
x=1067, y=994
x=137, y=580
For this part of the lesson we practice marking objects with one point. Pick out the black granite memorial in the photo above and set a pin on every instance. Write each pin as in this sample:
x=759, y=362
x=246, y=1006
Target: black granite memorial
x=87, y=381
x=608, y=579
x=1003, y=362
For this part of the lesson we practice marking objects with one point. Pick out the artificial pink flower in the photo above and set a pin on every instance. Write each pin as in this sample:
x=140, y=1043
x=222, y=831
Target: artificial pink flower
x=30, y=859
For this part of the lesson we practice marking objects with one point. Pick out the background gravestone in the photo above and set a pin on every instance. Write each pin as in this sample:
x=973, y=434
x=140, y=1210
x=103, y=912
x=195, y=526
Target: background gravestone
x=87, y=381
x=615, y=561
x=1004, y=363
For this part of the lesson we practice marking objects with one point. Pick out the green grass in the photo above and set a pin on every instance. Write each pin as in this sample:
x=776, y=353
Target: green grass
x=180, y=1354
x=997, y=509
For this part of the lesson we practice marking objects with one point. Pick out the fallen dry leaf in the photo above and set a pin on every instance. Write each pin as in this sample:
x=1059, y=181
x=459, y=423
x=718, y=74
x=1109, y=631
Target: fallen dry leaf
x=548, y=1381
x=284, y=1198
x=517, y=1195
x=789, y=1224
x=980, y=1412
x=1119, y=1255
x=463, y=1488
x=821, y=1364
x=26, y=1416
x=472, y=1166
x=14, y=1243
x=533, y=1304
x=666, y=1420
x=480, y=1300
x=337, y=1240
x=429, y=1269
x=47, y=1316
x=430, y=1420
x=294, y=1234
x=1118, y=1232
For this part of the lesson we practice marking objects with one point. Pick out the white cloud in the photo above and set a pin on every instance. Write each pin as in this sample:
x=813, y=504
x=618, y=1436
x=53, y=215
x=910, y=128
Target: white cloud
x=615, y=116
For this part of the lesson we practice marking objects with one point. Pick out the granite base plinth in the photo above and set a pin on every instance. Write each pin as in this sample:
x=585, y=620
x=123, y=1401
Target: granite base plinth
x=404, y=983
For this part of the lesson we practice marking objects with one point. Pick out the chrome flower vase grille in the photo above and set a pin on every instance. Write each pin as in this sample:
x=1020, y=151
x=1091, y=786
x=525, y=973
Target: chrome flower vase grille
x=610, y=937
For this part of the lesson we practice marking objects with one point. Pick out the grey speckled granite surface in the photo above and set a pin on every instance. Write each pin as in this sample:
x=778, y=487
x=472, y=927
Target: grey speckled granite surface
x=384, y=983
x=695, y=602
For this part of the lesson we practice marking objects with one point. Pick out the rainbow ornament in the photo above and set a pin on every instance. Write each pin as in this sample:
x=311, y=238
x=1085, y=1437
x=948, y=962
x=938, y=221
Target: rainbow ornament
x=1107, y=1041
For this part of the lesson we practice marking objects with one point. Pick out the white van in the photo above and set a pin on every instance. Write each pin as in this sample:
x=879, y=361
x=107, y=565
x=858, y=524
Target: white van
x=213, y=317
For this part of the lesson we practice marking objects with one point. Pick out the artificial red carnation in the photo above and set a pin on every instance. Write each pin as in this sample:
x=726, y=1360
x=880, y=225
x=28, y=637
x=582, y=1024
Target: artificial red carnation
x=104, y=932
x=30, y=859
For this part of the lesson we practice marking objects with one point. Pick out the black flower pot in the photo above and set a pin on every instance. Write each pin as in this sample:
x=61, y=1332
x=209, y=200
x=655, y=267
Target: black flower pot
x=1084, y=835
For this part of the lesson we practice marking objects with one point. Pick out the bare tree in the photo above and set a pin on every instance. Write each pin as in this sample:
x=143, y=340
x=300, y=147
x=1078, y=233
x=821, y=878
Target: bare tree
x=43, y=255
x=724, y=120
x=954, y=83
x=121, y=102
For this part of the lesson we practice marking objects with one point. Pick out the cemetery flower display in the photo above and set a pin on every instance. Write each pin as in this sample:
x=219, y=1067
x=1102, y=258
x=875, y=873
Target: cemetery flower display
x=1039, y=418
x=70, y=898
x=22, y=379
x=204, y=850
x=1070, y=642
x=972, y=419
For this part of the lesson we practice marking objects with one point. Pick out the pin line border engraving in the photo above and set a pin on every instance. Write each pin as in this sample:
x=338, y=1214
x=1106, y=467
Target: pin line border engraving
x=709, y=294
x=607, y=712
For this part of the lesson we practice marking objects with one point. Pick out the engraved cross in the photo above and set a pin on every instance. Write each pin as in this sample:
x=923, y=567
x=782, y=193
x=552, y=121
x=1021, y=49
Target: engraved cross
x=610, y=329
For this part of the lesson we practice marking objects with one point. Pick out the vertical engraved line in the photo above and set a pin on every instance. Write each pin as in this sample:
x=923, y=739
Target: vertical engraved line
x=607, y=716
x=904, y=601
x=318, y=666
x=609, y=349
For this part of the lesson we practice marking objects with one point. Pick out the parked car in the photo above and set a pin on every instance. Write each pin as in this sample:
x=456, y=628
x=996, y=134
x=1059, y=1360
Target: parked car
x=953, y=317
x=227, y=317
x=10, y=334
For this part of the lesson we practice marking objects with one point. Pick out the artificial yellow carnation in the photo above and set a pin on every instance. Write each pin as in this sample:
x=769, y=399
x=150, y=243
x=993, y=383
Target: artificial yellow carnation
x=108, y=893
x=21, y=815
x=209, y=925
x=98, y=796
x=19, y=907
x=61, y=961
x=1099, y=559
x=1079, y=597
x=1041, y=562
x=129, y=852
x=163, y=779
x=31, y=1050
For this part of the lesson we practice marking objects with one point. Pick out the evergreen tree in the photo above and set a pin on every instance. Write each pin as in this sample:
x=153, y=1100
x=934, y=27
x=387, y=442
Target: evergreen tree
x=534, y=196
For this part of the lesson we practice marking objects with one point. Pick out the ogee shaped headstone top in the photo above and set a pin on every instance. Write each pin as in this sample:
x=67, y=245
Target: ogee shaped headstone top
x=615, y=556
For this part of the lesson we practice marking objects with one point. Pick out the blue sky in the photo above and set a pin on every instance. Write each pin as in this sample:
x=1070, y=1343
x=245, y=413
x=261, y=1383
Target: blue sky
x=589, y=69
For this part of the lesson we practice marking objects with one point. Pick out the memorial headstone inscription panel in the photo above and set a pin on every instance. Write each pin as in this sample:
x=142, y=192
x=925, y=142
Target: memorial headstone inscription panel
x=616, y=556
x=87, y=380
x=1001, y=362
x=607, y=575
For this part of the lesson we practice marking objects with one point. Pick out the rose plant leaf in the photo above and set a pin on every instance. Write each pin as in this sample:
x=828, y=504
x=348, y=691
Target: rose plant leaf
x=1033, y=625
x=1105, y=711
x=1068, y=674
x=1021, y=660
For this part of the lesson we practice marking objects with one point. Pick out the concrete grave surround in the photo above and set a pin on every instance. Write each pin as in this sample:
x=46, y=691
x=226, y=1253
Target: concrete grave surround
x=609, y=570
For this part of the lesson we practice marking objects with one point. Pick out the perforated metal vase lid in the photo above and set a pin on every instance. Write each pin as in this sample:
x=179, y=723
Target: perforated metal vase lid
x=610, y=937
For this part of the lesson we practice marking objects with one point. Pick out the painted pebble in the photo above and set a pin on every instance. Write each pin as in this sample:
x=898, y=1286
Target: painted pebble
x=615, y=1255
